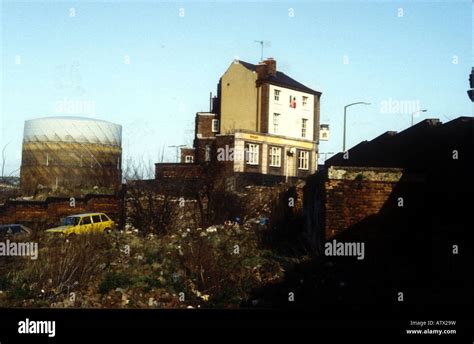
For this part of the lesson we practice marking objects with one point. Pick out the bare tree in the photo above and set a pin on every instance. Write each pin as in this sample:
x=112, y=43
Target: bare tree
x=149, y=208
x=4, y=158
x=215, y=203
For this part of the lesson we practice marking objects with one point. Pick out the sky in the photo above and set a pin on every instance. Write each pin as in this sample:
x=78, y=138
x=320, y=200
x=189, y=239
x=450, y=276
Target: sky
x=150, y=65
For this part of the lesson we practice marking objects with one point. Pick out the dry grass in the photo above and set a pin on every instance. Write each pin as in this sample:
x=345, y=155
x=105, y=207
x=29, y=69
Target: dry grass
x=63, y=266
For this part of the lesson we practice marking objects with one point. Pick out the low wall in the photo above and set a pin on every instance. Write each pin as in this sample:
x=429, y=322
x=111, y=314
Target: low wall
x=51, y=210
x=354, y=193
x=340, y=197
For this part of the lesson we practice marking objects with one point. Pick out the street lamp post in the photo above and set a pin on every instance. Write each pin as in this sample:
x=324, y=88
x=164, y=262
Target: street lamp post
x=177, y=150
x=344, y=134
x=413, y=114
x=326, y=155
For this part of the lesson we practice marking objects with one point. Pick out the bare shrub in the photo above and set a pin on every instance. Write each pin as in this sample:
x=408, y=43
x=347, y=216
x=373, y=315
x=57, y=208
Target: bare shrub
x=147, y=210
x=222, y=265
x=63, y=265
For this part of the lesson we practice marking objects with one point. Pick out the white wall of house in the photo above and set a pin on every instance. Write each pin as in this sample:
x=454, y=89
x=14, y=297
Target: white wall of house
x=289, y=164
x=290, y=119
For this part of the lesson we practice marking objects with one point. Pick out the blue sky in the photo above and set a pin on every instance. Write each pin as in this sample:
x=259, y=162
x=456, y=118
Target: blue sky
x=142, y=65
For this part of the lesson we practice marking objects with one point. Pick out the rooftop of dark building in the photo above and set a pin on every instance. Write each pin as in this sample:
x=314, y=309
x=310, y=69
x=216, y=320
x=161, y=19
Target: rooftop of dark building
x=427, y=143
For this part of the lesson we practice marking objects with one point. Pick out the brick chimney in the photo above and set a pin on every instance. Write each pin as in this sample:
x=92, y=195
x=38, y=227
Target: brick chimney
x=272, y=66
x=266, y=68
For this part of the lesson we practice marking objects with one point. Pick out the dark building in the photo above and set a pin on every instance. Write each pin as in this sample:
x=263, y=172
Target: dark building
x=471, y=84
x=407, y=197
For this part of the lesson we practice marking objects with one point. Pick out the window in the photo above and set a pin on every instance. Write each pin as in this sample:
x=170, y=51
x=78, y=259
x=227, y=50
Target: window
x=292, y=102
x=324, y=132
x=276, y=120
x=207, y=153
x=71, y=221
x=96, y=218
x=303, y=160
x=188, y=159
x=305, y=101
x=104, y=218
x=304, y=126
x=86, y=220
x=275, y=156
x=252, y=154
x=276, y=94
x=215, y=125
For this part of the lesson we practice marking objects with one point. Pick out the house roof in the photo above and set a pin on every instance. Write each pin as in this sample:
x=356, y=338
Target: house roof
x=281, y=79
x=428, y=140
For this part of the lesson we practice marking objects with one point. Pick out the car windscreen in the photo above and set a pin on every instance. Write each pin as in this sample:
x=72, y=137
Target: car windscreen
x=71, y=221
x=11, y=229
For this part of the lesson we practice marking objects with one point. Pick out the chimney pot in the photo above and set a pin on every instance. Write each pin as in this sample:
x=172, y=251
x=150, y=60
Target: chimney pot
x=266, y=68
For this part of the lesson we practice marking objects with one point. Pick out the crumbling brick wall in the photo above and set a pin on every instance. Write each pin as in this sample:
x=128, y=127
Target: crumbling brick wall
x=339, y=197
x=51, y=210
x=354, y=193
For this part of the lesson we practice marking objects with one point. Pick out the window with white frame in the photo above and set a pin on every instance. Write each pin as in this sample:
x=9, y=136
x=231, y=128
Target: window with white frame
x=275, y=156
x=188, y=159
x=276, y=95
x=276, y=122
x=304, y=126
x=305, y=100
x=252, y=153
x=303, y=160
x=215, y=125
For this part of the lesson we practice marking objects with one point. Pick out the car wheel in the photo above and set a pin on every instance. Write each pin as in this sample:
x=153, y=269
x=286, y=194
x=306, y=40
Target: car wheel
x=107, y=230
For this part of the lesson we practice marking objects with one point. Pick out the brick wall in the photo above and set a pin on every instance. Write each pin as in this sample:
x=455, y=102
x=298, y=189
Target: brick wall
x=177, y=170
x=354, y=193
x=53, y=209
x=200, y=149
x=204, y=125
x=264, y=108
x=338, y=198
x=186, y=152
x=176, y=179
x=436, y=160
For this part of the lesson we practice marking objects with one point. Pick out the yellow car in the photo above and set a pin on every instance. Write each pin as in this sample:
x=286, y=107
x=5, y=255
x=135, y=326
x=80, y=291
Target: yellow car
x=84, y=223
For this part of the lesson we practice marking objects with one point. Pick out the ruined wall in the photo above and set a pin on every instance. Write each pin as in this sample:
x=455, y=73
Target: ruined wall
x=436, y=160
x=354, y=193
x=338, y=198
x=177, y=170
x=53, y=209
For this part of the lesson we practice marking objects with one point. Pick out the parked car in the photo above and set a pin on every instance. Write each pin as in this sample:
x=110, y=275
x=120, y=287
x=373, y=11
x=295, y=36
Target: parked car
x=13, y=230
x=84, y=223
